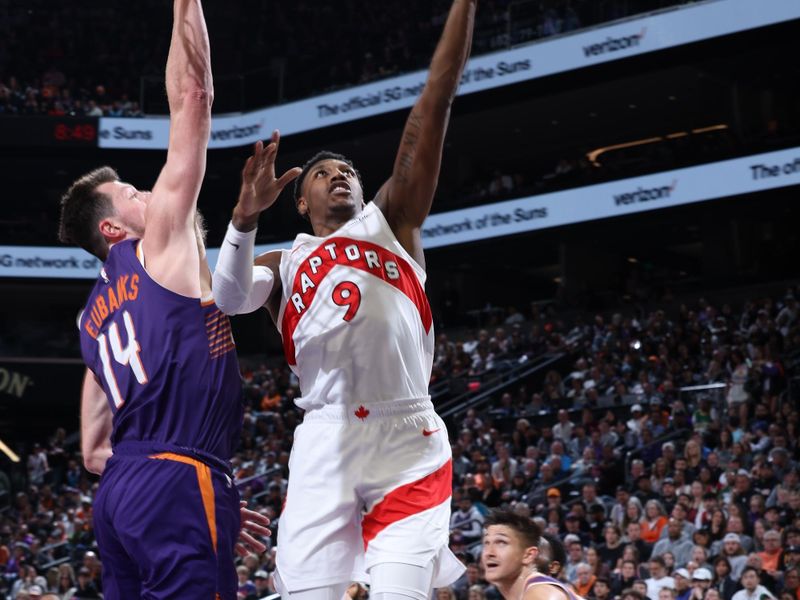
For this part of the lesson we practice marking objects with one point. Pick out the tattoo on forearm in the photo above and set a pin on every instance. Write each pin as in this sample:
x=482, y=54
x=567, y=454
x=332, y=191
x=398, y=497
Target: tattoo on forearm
x=409, y=146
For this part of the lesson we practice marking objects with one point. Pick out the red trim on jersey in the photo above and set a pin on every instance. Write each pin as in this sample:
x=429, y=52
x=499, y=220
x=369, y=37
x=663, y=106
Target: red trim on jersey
x=407, y=500
x=407, y=282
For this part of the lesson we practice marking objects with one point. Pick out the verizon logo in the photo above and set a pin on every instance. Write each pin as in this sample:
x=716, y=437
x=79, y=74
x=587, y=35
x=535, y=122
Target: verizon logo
x=646, y=195
x=236, y=132
x=615, y=44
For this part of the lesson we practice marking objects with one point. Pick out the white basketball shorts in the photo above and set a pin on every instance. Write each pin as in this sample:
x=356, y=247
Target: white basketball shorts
x=367, y=485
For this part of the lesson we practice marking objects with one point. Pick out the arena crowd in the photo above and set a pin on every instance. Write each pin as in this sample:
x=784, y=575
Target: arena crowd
x=657, y=492
x=44, y=48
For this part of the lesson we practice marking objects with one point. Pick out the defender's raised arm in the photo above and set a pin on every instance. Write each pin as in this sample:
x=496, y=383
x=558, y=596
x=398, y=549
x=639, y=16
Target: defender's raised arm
x=407, y=196
x=190, y=92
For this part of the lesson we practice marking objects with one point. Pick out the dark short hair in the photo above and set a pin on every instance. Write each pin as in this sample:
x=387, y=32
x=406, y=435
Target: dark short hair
x=524, y=526
x=632, y=592
x=83, y=207
x=702, y=531
x=319, y=157
x=746, y=569
x=658, y=559
x=722, y=559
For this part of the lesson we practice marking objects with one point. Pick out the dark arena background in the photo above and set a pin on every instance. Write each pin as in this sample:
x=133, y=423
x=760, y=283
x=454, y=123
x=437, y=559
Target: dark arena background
x=612, y=262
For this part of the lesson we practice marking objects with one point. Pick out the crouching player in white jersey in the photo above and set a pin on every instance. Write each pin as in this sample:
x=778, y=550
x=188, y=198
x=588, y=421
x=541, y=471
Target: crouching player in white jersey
x=370, y=471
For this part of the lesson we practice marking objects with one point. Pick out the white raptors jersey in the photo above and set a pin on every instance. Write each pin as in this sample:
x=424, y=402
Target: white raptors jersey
x=355, y=321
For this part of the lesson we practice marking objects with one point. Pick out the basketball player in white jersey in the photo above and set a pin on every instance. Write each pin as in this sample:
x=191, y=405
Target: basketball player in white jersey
x=370, y=471
x=510, y=557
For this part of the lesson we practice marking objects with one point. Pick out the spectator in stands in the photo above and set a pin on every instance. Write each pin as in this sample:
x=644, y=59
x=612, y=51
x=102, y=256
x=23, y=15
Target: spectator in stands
x=633, y=538
x=247, y=588
x=653, y=522
x=599, y=568
x=701, y=583
x=699, y=557
x=634, y=512
x=666, y=593
x=770, y=556
x=584, y=580
x=683, y=584
x=601, y=590
x=623, y=577
x=658, y=578
x=263, y=587
x=575, y=557
x=733, y=551
x=563, y=429
x=791, y=582
x=675, y=542
x=504, y=468
x=85, y=588
x=752, y=588
x=466, y=523
x=610, y=552
x=617, y=513
x=37, y=465
x=722, y=579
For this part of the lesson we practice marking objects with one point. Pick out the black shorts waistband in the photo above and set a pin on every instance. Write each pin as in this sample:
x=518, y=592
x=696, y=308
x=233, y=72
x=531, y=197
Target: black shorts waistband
x=145, y=448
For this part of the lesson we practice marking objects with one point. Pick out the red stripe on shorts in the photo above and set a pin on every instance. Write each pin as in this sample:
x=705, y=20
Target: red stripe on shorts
x=407, y=500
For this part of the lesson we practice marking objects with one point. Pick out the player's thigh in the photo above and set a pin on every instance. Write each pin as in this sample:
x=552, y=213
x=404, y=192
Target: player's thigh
x=121, y=578
x=179, y=523
x=318, y=531
x=407, y=492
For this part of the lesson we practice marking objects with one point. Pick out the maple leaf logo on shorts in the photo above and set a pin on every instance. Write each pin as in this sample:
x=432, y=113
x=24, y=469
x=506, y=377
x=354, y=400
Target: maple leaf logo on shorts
x=362, y=413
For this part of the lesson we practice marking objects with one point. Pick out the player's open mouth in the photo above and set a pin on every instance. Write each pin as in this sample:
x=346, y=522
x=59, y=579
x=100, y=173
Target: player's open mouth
x=340, y=187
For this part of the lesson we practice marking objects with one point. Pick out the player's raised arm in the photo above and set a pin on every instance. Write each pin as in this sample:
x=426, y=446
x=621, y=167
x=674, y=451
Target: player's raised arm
x=406, y=197
x=169, y=235
x=239, y=287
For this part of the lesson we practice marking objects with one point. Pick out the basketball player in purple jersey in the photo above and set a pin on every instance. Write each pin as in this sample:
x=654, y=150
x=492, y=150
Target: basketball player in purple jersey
x=510, y=556
x=161, y=404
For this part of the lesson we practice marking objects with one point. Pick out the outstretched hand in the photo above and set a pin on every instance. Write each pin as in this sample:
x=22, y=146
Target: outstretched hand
x=252, y=523
x=260, y=188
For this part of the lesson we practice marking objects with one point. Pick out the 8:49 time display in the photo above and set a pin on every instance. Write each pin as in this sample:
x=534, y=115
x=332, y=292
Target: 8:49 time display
x=80, y=132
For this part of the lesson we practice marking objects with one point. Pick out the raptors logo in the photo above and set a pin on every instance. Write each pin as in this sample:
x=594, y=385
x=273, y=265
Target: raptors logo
x=357, y=254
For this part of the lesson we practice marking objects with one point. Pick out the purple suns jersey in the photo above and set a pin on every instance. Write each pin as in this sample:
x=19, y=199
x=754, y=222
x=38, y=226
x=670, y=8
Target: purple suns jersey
x=166, y=362
x=541, y=579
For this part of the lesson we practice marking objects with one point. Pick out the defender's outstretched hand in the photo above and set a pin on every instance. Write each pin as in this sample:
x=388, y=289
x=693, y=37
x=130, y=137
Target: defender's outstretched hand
x=260, y=189
x=252, y=523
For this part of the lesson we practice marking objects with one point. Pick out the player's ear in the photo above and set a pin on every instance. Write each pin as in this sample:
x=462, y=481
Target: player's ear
x=302, y=207
x=530, y=556
x=111, y=230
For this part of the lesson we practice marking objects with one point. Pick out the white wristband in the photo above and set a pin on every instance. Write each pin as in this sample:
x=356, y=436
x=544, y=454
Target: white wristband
x=236, y=285
x=239, y=238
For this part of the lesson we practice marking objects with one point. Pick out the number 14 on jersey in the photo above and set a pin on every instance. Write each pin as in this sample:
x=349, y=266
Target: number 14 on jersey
x=127, y=355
